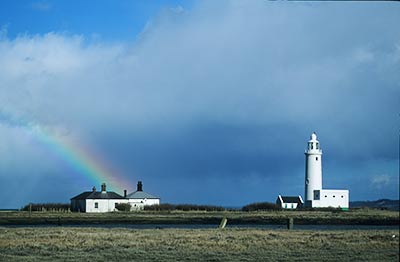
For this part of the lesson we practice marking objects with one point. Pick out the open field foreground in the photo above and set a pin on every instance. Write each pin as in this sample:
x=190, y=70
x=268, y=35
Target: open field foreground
x=352, y=217
x=101, y=244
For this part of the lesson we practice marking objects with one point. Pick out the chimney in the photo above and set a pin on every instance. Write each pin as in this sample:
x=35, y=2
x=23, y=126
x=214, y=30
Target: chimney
x=139, y=186
x=94, y=189
x=103, y=188
x=125, y=193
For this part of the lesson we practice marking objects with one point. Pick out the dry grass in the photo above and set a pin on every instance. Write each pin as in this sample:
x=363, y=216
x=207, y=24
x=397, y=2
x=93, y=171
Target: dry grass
x=122, y=244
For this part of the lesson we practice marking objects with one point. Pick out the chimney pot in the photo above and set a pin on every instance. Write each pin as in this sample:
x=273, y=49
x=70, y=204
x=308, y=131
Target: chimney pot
x=103, y=187
x=94, y=189
x=139, y=186
x=125, y=193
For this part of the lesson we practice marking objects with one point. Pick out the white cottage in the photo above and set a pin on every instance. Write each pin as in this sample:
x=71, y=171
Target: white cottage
x=139, y=198
x=97, y=202
x=289, y=202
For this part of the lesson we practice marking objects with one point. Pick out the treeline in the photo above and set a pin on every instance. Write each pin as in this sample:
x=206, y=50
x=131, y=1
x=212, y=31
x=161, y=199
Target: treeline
x=183, y=207
x=56, y=207
x=261, y=207
x=267, y=206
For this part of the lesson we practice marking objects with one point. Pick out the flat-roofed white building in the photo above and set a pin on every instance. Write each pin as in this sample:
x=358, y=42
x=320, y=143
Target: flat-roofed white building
x=331, y=198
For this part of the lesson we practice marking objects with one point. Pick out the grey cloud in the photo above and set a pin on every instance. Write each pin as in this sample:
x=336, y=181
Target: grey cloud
x=225, y=89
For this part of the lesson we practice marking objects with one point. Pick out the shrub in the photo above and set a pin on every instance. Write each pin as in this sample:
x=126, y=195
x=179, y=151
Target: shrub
x=190, y=207
x=47, y=207
x=123, y=207
x=183, y=207
x=261, y=206
x=160, y=207
x=323, y=209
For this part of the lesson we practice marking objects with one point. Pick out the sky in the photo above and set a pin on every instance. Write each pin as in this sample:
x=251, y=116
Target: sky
x=206, y=102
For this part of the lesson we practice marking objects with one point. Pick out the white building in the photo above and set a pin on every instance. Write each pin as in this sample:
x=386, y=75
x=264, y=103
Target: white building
x=289, y=202
x=139, y=198
x=97, y=202
x=315, y=196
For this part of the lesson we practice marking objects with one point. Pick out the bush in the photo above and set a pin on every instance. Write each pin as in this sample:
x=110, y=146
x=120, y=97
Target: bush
x=183, y=207
x=47, y=207
x=261, y=206
x=123, y=207
x=160, y=207
x=323, y=209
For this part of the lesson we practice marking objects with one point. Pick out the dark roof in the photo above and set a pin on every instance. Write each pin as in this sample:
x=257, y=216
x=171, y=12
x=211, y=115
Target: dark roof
x=141, y=195
x=97, y=195
x=292, y=199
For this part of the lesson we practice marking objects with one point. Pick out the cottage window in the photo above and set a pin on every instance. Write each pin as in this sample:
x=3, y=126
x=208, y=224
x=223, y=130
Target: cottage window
x=342, y=196
x=96, y=205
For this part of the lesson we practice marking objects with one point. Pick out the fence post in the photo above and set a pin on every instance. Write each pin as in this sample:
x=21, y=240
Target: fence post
x=223, y=223
x=290, y=224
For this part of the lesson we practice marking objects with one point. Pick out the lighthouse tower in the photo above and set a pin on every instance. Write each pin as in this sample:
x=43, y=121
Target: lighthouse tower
x=313, y=179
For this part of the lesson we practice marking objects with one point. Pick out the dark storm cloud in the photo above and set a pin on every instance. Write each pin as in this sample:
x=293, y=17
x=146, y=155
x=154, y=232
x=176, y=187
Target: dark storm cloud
x=223, y=98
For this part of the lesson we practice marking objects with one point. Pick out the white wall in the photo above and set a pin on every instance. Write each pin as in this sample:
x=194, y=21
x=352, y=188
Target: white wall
x=144, y=201
x=139, y=203
x=332, y=198
x=289, y=205
x=104, y=205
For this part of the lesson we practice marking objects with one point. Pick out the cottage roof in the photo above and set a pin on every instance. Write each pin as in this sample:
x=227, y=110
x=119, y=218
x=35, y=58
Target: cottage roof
x=292, y=199
x=141, y=195
x=97, y=195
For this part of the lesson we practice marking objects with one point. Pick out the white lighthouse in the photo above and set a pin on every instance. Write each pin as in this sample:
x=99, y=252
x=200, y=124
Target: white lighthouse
x=315, y=196
x=313, y=181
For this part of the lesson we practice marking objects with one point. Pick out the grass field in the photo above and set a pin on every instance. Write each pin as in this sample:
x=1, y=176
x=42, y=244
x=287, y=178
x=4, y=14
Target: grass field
x=121, y=244
x=358, y=216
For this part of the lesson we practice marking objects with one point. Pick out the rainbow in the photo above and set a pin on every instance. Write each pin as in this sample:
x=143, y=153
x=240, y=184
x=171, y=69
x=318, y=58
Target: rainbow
x=83, y=160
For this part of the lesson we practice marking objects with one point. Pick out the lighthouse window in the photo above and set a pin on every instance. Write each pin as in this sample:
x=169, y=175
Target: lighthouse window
x=333, y=195
x=316, y=194
x=312, y=146
x=316, y=158
x=317, y=145
x=342, y=196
